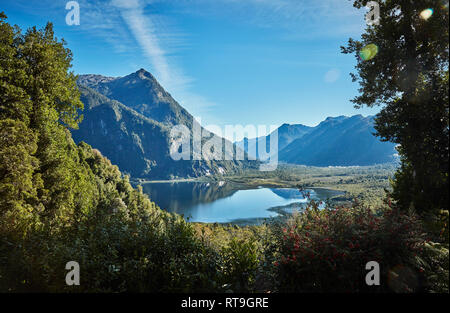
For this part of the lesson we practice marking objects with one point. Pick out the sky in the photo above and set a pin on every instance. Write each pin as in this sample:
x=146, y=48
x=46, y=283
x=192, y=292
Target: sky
x=228, y=62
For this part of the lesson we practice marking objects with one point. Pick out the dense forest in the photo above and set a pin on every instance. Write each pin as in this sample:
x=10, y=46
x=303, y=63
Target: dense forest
x=61, y=202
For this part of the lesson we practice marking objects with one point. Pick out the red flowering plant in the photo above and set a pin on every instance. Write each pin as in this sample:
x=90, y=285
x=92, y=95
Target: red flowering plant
x=326, y=250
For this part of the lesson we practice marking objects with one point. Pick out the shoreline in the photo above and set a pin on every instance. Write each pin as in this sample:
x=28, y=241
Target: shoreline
x=248, y=185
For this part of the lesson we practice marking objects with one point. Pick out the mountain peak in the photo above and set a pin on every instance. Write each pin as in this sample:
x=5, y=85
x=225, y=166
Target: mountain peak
x=340, y=117
x=142, y=92
x=343, y=117
x=143, y=74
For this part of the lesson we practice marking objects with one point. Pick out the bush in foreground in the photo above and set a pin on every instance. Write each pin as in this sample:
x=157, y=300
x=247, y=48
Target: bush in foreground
x=327, y=250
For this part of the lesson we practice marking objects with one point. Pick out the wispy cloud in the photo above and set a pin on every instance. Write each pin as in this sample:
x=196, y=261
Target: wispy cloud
x=299, y=18
x=143, y=31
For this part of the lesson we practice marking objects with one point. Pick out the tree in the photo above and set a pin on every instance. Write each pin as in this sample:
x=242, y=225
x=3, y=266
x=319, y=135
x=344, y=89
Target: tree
x=402, y=65
x=40, y=172
x=18, y=185
x=60, y=201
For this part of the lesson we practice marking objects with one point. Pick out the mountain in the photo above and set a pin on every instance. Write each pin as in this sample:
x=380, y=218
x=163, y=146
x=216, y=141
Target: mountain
x=337, y=141
x=286, y=134
x=141, y=92
x=129, y=119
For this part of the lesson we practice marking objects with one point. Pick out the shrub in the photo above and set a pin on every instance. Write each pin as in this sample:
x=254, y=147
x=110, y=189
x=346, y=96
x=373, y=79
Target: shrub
x=123, y=243
x=241, y=261
x=327, y=250
x=433, y=262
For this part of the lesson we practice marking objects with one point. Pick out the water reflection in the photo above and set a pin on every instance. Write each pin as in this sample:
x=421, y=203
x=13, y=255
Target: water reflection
x=223, y=202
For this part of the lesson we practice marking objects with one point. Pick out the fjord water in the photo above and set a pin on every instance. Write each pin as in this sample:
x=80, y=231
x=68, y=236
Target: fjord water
x=224, y=203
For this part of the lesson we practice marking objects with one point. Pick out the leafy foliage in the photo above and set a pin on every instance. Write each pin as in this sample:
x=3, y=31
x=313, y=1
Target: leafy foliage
x=409, y=78
x=241, y=262
x=61, y=202
x=327, y=250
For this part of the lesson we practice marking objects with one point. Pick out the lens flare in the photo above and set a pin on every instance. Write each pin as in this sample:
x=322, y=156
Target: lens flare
x=426, y=14
x=368, y=52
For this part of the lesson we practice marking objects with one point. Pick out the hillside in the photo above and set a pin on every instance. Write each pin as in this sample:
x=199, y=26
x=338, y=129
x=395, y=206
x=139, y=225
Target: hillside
x=141, y=92
x=286, y=134
x=340, y=141
x=130, y=123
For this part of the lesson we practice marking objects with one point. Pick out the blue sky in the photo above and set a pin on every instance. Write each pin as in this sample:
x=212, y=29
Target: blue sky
x=226, y=61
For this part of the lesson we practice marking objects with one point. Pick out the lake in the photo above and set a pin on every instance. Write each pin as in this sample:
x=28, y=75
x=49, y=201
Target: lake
x=226, y=203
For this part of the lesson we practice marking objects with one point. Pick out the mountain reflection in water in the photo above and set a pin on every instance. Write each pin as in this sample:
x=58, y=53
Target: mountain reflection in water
x=223, y=202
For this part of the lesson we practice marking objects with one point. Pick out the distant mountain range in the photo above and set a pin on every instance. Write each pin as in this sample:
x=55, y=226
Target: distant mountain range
x=337, y=141
x=129, y=120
